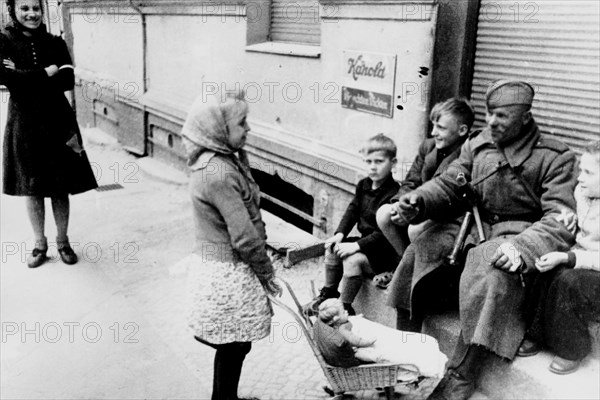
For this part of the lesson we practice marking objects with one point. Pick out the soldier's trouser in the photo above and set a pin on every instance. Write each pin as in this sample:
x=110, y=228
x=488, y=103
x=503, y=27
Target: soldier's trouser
x=433, y=294
x=491, y=302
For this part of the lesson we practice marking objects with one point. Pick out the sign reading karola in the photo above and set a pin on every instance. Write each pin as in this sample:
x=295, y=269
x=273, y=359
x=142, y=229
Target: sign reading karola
x=368, y=83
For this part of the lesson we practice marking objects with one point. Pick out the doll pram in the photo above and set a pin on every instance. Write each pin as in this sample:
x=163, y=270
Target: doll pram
x=363, y=377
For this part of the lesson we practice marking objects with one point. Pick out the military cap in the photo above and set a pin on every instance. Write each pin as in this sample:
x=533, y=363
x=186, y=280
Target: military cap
x=504, y=93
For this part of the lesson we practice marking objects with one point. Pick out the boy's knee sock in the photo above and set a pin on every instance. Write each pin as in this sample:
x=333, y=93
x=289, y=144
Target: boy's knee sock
x=351, y=287
x=333, y=274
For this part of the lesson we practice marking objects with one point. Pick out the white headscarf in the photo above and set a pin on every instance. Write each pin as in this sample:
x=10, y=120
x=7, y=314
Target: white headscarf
x=205, y=130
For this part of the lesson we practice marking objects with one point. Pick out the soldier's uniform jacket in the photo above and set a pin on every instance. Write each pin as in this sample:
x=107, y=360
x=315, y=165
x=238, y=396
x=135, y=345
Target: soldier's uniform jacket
x=545, y=164
x=522, y=187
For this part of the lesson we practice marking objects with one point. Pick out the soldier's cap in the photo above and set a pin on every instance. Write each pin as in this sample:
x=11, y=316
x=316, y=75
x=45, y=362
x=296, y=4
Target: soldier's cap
x=504, y=93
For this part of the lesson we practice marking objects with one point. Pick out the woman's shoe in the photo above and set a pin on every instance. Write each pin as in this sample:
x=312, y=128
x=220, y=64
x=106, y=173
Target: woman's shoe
x=563, y=366
x=37, y=258
x=528, y=348
x=67, y=255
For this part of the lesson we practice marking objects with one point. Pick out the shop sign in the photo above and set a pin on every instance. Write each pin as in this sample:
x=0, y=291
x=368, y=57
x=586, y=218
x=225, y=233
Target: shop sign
x=368, y=82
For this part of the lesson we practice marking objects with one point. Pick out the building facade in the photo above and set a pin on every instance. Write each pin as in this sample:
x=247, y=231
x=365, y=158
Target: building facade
x=322, y=76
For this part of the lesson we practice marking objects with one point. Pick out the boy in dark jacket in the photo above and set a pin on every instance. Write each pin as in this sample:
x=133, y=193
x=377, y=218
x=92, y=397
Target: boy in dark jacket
x=347, y=259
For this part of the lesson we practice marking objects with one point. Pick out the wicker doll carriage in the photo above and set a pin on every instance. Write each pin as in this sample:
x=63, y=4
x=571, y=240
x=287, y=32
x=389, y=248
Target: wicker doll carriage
x=341, y=380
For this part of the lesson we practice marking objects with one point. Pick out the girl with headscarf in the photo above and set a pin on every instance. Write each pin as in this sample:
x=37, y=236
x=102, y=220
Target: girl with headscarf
x=229, y=271
x=42, y=154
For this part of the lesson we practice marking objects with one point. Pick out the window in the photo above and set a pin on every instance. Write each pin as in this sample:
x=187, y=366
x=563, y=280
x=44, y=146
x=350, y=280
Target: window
x=295, y=21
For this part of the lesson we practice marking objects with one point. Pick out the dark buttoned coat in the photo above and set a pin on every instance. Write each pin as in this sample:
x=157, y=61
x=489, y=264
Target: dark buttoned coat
x=37, y=161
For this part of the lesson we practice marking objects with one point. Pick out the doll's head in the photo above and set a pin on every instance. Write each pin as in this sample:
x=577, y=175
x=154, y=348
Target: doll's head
x=26, y=13
x=332, y=312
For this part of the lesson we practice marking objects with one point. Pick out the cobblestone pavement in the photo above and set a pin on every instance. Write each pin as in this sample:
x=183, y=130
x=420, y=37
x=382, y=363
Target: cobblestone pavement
x=123, y=288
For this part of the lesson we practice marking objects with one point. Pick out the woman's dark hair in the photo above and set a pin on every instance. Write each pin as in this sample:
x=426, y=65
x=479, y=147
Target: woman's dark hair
x=11, y=8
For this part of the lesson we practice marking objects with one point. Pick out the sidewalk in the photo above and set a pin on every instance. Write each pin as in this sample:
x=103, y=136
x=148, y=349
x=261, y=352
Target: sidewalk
x=113, y=325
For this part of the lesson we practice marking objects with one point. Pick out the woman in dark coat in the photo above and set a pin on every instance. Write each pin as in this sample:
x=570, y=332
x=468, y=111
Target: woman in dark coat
x=42, y=152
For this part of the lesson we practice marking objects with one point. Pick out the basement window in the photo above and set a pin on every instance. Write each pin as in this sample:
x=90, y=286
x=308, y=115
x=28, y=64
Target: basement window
x=285, y=200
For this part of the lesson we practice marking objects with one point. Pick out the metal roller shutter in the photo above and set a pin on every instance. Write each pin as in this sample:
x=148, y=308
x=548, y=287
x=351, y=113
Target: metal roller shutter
x=295, y=21
x=553, y=45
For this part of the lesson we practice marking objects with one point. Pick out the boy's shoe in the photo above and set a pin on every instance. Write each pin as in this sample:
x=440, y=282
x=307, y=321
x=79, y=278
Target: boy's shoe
x=37, y=258
x=312, y=308
x=67, y=255
x=528, y=348
x=348, y=307
x=562, y=366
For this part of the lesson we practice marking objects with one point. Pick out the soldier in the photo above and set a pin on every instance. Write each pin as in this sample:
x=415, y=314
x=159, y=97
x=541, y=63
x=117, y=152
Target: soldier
x=523, y=180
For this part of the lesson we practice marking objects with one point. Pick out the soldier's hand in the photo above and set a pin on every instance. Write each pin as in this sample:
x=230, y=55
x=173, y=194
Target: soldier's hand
x=395, y=216
x=569, y=219
x=507, y=258
x=409, y=206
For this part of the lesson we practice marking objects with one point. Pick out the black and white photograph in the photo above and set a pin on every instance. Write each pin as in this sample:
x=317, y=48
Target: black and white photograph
x=300, y=199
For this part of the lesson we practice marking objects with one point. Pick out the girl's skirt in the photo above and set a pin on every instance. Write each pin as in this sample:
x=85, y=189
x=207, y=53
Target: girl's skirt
x=226, y=302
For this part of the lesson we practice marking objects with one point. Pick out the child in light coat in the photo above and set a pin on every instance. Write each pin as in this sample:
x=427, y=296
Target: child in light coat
x=572, y=297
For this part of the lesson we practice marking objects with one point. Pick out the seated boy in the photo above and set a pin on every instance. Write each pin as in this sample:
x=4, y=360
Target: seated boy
x=419, y=286
x=452, y=120
x=568, y=288
x=347, y=341
x=348, y=258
